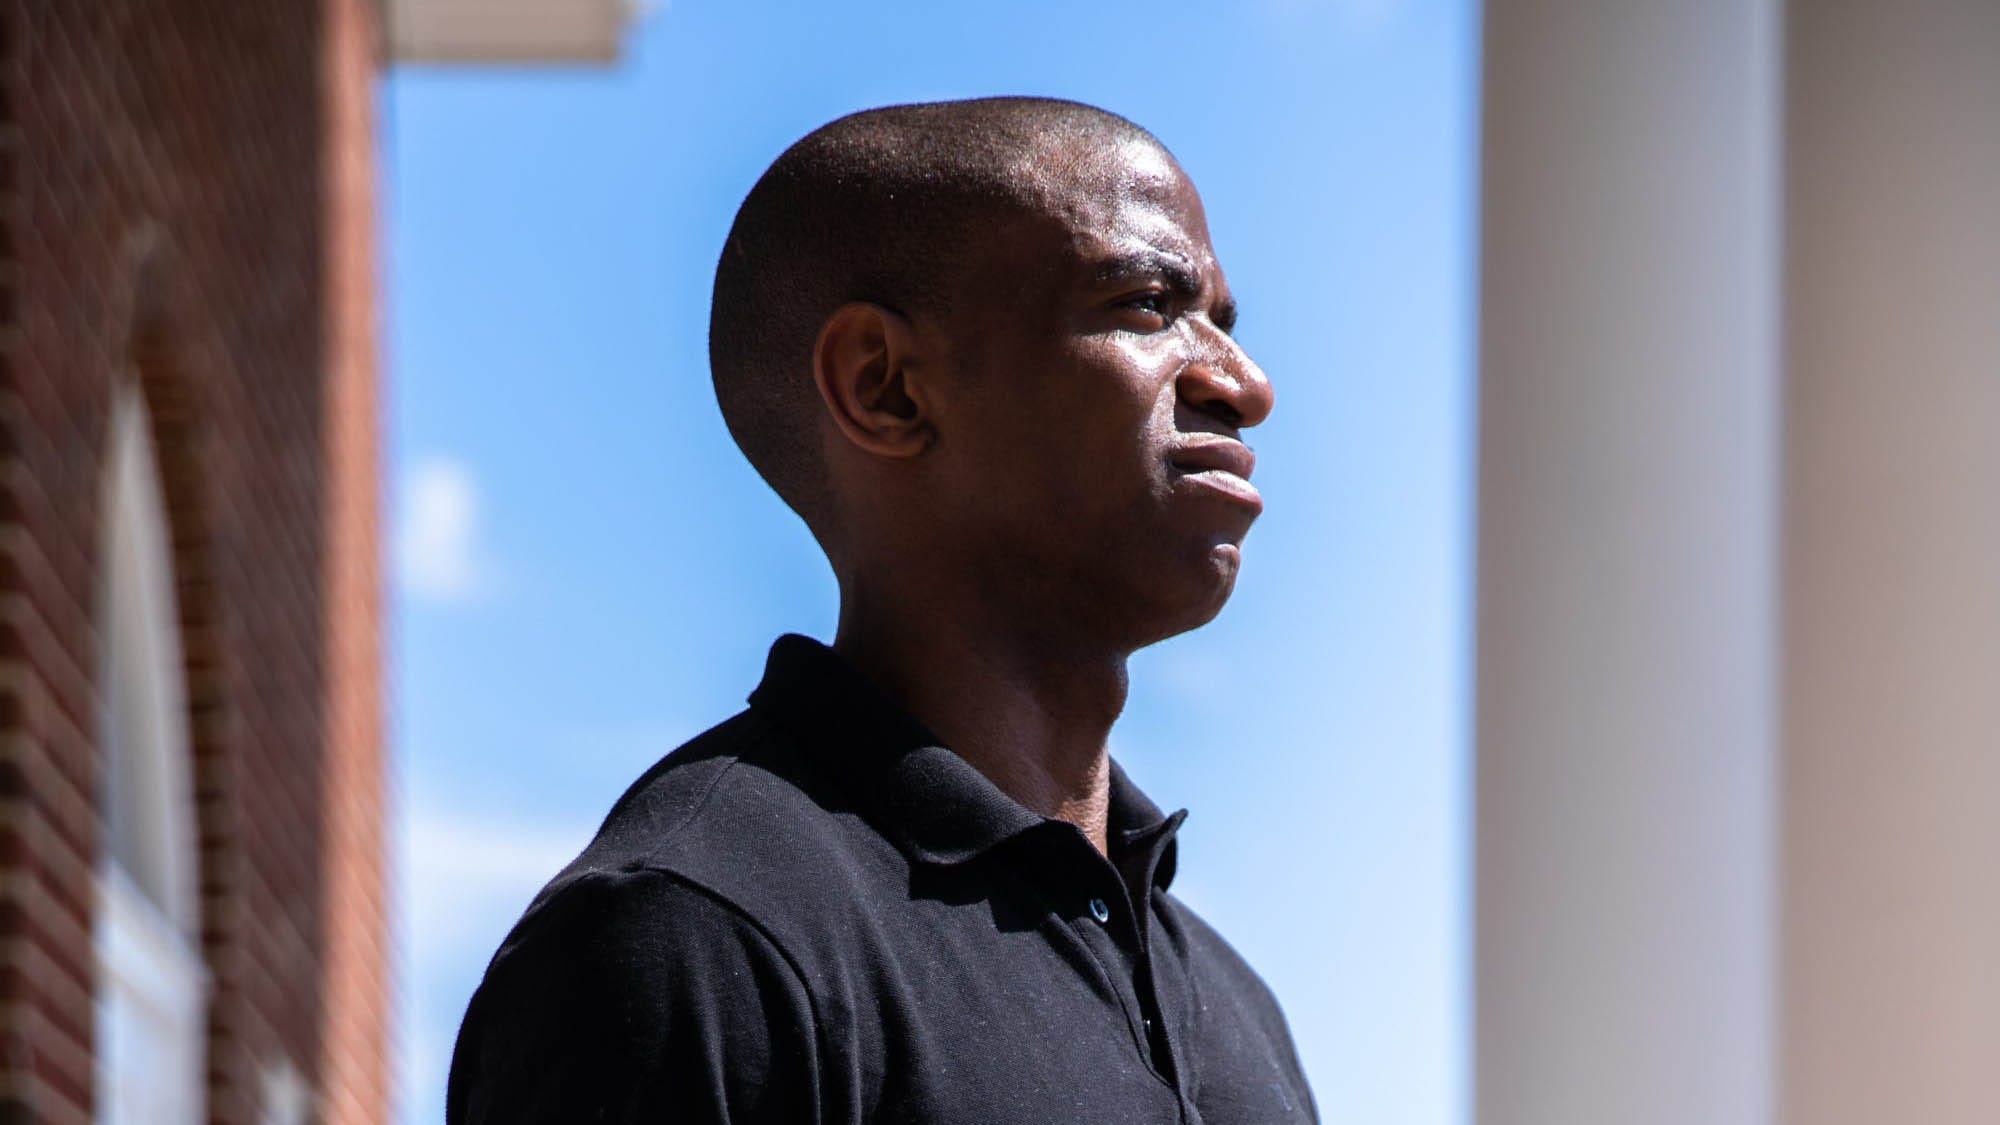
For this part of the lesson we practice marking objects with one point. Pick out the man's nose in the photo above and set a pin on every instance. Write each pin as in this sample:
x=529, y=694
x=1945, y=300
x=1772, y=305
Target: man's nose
x=1223, y=382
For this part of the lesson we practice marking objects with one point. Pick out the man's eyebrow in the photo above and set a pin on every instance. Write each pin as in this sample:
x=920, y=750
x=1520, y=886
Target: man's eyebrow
x=1177, y=272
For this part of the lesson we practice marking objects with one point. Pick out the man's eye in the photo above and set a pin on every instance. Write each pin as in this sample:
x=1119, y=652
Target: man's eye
x=1155, y=303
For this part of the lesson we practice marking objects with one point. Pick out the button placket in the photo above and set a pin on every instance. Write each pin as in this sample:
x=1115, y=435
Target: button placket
x=1139, y=989
x=1119, y=954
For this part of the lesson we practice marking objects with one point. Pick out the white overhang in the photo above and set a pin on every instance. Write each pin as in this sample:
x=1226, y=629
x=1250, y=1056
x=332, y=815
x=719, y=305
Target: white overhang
x=502, y=31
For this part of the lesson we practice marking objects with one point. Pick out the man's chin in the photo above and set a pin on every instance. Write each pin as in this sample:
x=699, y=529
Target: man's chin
x=1202, y=595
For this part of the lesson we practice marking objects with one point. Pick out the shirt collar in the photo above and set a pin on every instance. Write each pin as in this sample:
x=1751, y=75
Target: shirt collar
x=929, y=801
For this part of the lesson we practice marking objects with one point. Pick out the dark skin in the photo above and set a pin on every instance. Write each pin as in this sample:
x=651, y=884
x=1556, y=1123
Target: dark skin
x=1048, y=477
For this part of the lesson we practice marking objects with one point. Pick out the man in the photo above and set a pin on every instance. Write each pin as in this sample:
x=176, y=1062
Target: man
x=982, y=348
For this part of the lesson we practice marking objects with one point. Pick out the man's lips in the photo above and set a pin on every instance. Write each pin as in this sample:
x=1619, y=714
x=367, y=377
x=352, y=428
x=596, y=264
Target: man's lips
x=1229, y=456
x=1221, y=464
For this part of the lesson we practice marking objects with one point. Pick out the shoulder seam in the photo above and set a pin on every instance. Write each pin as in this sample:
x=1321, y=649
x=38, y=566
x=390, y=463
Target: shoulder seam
x=541, y=914
x=734, y=756
x=700, y=806
x=764, y=934
x=566, y=881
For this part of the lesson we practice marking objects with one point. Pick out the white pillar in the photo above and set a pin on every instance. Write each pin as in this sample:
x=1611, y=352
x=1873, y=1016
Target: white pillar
x=1891, y=906
x=1626, y=587
x=1738, y=710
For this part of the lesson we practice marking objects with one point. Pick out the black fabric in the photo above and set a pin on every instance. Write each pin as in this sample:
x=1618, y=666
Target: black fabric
x=813, y=912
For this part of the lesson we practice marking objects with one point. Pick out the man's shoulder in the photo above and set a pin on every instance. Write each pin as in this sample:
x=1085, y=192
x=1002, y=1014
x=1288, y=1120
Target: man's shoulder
x=743, y=813
x=607, y=996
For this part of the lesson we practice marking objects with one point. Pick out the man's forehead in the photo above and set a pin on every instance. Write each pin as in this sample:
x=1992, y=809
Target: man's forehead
x=1088, y=174
x=1117, y=200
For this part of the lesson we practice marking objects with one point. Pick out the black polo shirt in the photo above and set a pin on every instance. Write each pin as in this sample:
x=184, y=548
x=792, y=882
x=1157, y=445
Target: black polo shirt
x=816, y=913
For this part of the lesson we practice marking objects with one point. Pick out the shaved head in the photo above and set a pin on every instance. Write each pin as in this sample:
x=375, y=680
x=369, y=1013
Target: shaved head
x=882, y=206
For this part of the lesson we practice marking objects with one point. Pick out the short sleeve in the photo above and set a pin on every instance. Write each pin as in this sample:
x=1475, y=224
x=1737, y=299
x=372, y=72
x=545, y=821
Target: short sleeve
x=631, y=997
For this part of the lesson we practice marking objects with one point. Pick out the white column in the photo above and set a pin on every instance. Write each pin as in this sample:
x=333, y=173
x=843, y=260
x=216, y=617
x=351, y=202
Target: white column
x=1891, y=778
x=1738, y=711
x=1626, y=587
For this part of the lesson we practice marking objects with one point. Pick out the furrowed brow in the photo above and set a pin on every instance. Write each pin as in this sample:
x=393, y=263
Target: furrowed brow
x=1179, y=276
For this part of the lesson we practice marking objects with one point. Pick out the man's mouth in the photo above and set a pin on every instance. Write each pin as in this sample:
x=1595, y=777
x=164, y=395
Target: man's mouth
x=1219, y=464
x=1214, y=455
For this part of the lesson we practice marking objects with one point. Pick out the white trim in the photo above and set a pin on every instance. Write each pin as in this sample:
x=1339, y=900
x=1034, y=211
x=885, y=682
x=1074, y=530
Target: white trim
x=152, y=988
x=138, y=947
x=507, y=30
x=148, y=800
x=287, y=1097
x=152, y=993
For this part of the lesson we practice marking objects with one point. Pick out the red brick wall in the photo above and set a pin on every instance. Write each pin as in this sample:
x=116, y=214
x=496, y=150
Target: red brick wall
x=185, y=199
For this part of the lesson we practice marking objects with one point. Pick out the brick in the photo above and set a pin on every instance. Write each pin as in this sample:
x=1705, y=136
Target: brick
x=184, y=202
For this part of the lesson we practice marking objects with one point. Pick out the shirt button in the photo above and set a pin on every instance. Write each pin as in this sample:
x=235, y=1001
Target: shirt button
x=1099, y=910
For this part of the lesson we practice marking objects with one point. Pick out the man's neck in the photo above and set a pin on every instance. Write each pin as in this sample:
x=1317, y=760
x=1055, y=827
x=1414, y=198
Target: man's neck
x=1031, y=715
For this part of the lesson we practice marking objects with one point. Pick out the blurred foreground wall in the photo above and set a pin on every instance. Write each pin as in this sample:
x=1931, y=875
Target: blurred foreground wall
x=191, y=907
x=1738, y=689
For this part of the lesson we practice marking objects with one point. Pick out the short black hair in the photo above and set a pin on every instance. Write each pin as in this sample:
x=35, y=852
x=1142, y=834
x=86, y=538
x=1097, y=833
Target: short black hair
x=878, y=206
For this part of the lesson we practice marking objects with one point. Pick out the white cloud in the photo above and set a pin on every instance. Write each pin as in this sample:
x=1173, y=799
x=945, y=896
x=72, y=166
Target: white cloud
x=467, y=880
x=462, y=882
x=463, y=876
x=437, y=548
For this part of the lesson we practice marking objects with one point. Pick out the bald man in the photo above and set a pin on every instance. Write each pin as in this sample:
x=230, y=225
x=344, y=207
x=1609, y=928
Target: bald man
x=983, y=349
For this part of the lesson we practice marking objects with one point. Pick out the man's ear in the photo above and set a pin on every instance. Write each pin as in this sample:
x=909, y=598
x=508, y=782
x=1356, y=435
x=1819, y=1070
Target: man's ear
x=866, y=367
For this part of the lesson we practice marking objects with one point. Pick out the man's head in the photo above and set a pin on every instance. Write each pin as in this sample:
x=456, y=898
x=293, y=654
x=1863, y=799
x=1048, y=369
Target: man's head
x=990, y=338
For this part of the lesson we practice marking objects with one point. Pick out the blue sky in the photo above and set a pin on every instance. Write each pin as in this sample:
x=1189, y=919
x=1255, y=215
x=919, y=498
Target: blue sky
x=587, y=573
